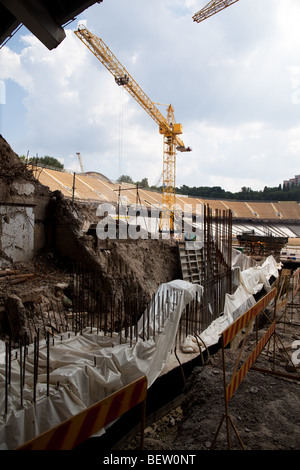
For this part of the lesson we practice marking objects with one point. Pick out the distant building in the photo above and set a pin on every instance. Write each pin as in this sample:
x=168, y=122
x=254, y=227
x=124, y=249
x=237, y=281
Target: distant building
x=292, y=182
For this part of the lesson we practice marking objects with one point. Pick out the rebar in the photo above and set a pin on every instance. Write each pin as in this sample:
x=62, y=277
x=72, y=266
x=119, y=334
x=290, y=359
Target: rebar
x=21, y=375
x=6, y=377
x=48, y=361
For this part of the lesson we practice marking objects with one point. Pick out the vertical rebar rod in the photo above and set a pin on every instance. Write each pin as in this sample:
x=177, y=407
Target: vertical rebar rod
x=136, y=318
x=76, y=298
x=34, y=370
x=24, y=357
x=36, y=364
x=9, y=360
x=154, y=309
x=48, y=360
x=6, y=376
x=143, y=314
x=131, y=321
x=105, y=316
x=148, y=318
x=98, y=311
x=160, y=307
x=21, y=375
x=112, y=316
x=120, y=319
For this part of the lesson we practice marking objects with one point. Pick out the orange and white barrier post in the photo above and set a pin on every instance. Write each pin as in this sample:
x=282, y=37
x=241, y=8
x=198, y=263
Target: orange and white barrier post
x=238, y=376
x=75, y=430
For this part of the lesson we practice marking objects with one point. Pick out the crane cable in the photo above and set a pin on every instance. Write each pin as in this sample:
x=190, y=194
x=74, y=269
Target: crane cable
x=121, y=112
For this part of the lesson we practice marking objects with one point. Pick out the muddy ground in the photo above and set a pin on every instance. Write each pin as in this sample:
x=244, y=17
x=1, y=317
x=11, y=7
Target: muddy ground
x=264, y=409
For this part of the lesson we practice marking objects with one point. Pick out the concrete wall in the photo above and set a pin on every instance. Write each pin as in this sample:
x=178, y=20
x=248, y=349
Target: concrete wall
x=16, y=232
x=23, y=222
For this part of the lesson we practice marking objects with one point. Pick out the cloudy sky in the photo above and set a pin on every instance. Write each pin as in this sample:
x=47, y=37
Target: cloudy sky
x=233, y=80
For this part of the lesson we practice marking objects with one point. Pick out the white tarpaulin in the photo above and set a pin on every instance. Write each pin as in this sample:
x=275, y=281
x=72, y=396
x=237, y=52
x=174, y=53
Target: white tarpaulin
x=254, y=279
x=86, y=368
x=239, y=260
x=251, y=281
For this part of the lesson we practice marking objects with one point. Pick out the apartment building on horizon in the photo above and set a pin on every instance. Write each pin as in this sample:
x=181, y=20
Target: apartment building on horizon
x=292, y=182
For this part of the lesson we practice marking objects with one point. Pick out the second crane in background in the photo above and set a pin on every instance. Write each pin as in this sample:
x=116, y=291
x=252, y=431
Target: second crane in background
x=212, y=8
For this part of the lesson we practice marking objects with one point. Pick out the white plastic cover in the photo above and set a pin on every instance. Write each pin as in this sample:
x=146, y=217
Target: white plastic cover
x=88, y=367
x=252, y=280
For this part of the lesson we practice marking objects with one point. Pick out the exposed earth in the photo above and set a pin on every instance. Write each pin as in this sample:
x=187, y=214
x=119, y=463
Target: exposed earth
x=264, y=409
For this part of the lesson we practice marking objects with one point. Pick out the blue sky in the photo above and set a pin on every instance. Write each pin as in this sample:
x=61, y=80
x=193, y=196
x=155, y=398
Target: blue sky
x=233, y=80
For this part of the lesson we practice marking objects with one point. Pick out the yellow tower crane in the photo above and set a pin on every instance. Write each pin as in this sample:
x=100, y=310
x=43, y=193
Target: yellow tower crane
x=167, y=126
x=211, y=8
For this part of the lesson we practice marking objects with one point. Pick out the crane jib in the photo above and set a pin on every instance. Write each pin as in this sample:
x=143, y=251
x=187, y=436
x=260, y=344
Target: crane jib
x=167, y=126
x=122, y=77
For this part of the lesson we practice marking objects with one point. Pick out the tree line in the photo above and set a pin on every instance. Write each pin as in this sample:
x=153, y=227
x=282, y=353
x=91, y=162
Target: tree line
x=45, y=161
x=277, y=193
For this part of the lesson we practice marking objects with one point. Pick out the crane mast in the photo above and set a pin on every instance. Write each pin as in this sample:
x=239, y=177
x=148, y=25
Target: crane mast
x=211, y=8
x=167, y=126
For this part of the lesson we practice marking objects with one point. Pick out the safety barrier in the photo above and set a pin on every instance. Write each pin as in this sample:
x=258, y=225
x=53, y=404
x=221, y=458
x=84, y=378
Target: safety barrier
x=283, y=290
x=296, y=281
x=227, y=336
x=294, y=299
x=244, y=321
x=75, y=430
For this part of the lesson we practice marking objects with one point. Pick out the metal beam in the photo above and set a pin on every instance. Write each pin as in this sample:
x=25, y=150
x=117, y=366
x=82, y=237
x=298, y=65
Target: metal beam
x=34, y=15
x=211, y=8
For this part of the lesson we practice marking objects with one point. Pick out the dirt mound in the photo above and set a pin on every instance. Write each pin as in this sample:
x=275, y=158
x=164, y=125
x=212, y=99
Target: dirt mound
x=11, y=168
x=125, y=267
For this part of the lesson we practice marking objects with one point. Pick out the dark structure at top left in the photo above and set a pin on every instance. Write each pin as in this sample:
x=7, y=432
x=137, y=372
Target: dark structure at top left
x=43, y=18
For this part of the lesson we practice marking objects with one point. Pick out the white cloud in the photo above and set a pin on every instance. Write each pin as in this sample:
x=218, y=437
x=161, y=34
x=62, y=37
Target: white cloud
x=11, y=68
x=233, y=81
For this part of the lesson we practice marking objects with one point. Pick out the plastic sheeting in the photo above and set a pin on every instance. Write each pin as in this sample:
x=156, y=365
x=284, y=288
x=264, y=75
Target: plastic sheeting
x=88, y=367
x=252, y=280
x=241, y=261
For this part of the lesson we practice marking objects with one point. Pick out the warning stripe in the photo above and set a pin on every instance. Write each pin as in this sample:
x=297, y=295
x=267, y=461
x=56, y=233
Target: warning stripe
x=243, y=320
x=296, y=281
x=240, y=375
x=78, y=428
x=282, y=304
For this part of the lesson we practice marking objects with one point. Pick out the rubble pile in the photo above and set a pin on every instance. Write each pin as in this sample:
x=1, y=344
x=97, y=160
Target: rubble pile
x=11, y=168
x=12, y=171
x=33, y=298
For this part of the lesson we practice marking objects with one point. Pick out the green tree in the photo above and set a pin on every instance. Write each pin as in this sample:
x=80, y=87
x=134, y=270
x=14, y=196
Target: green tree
x=125, y=179
x=144, y=183
x=43, y=161
x=50, y=161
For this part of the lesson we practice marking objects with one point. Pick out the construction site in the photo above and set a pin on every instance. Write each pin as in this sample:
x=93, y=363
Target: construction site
x=130, y=318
